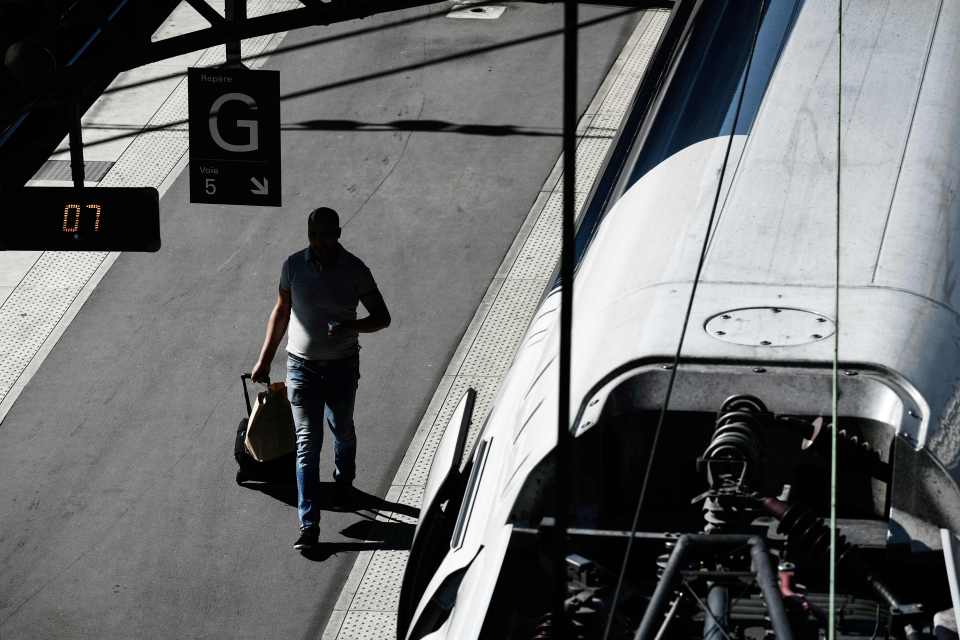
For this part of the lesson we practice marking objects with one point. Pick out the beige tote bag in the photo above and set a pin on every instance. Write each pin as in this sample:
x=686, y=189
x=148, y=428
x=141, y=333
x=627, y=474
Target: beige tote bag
x=270, y=432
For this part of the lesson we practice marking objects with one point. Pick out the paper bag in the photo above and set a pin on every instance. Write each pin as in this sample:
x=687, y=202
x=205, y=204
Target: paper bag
x=270, y=431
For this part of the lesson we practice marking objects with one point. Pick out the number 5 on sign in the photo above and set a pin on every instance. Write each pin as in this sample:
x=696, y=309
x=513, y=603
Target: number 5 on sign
x=210, y=186
x=71, y=217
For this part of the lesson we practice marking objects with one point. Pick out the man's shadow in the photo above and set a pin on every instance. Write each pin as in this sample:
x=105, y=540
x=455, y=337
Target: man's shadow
x=382, y=525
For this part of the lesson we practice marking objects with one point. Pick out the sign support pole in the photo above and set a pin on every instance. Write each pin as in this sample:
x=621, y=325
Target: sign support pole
x=236, y=14
x=76, y=146
x=567, y=247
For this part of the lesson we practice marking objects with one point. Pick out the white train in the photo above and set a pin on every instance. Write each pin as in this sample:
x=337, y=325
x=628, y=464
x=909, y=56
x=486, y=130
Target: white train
x=734, y=517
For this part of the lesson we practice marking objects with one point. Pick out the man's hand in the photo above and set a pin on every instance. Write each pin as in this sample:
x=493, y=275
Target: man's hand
x=337, y=327
x=261, y=372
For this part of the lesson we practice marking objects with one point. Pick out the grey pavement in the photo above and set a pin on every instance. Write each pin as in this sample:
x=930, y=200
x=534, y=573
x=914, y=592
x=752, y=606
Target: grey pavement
x=120, y=517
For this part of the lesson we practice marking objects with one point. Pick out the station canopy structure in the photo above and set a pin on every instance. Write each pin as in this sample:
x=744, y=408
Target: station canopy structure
x=58, y=56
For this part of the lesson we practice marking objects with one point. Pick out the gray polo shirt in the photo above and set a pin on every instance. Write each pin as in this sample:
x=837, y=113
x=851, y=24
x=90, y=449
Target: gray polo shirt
x=320, y=295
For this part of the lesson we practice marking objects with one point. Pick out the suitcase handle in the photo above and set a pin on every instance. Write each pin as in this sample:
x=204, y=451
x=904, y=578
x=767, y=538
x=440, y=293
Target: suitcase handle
x=246, y=394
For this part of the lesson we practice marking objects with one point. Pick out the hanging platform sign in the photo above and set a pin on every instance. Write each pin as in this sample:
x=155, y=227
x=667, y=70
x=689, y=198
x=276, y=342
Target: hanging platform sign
x=234, y=136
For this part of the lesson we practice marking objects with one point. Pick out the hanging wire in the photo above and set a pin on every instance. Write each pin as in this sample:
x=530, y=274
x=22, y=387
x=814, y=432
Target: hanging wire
x=683, y=329
x=831, y=612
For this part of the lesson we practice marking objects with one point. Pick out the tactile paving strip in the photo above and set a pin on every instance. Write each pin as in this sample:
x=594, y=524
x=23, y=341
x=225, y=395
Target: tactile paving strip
x=412, y=496
x=504, y=327
x=368, y=625
x=148, y=160
x=494, y=342
x=93, y=170
x=380, y=588
x=408, y=495
x=605, y=125
x=618, y=98
x=34, y=308
x=540, y=252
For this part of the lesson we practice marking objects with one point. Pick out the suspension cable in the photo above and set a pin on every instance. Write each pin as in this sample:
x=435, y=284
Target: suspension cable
x=831, y=611
x=683, y=329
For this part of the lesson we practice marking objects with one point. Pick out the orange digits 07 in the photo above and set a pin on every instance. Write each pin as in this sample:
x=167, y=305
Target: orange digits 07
x=67, y=228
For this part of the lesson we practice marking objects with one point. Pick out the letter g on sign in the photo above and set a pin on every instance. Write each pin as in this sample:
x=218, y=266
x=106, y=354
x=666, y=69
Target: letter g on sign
x=253, y=141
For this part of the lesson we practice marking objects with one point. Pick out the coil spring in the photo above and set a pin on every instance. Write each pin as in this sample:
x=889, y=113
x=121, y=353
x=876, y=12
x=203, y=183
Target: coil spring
x=735, y=434
x=809, y=535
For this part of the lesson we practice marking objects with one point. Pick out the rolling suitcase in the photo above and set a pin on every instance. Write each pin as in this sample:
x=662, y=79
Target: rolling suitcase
x=278, y=469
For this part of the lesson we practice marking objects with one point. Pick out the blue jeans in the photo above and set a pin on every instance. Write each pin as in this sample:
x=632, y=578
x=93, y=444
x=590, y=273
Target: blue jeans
x=318, y=390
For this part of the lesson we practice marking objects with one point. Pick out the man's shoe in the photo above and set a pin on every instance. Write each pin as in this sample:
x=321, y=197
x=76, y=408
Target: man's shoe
x=309, y=539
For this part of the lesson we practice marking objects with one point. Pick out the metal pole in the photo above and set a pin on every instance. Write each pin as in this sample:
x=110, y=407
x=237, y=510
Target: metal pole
x=77, y=169
x=566, y=304
x=236, y=13
x=767, y=580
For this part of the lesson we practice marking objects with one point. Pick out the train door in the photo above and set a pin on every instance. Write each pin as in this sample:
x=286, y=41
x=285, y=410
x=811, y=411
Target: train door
x=442, y=497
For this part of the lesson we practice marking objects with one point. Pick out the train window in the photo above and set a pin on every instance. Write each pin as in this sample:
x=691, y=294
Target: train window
x=701, y=98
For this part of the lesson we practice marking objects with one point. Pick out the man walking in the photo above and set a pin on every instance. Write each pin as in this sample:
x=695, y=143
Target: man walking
x=322, y=285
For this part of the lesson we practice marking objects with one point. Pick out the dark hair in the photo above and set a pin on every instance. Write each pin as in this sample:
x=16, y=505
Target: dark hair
x=322, y=217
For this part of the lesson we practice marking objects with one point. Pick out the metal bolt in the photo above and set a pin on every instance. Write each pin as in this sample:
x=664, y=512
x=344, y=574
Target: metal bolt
x=766, y=343
x=725, y=316
x=759, y=370
x=721, y=333
x=816, y=336
x=666, y=366
x=821, y=319
x=912, y=413
x=594, y=401
x=776, y=310
x=848, y=372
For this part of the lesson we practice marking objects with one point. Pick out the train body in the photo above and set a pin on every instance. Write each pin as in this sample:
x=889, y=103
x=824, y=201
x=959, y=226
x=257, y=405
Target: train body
x=736, y=130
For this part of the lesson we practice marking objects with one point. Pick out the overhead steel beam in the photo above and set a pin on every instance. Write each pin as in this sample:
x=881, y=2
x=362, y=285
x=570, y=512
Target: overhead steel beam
x=29, y=139
x=34, y=134
x=226, y=31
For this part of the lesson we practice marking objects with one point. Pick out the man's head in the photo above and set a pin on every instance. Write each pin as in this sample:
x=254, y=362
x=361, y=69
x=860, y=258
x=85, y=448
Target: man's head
x=323, y=230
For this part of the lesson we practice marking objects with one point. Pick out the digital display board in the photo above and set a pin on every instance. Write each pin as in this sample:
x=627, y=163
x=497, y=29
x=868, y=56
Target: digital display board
x=87, y=219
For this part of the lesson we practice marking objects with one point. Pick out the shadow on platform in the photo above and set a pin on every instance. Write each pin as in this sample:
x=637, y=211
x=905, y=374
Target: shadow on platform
x=381, y=526
x=436, y=126
x=370, y=535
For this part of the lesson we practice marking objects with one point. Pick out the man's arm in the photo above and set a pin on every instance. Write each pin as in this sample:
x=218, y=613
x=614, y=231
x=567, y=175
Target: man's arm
x=378, y=318
x=276, y=327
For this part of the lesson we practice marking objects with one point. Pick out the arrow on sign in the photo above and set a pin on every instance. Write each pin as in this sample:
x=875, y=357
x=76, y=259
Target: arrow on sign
x=259, y=188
